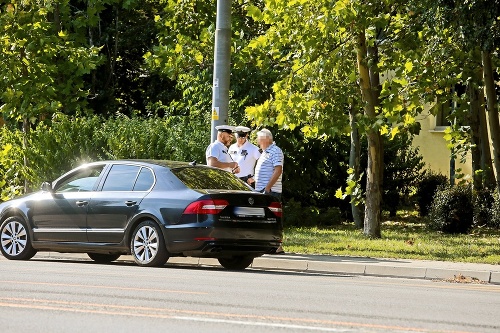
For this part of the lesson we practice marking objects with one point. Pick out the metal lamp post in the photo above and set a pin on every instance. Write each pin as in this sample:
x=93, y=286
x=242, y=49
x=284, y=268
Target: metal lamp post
x=222, y=64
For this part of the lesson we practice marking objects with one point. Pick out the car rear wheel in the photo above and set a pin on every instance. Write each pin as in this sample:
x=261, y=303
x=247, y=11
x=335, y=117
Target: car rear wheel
x=103, y=258
x=15, y=239
x=236, y=263
x=147, y=245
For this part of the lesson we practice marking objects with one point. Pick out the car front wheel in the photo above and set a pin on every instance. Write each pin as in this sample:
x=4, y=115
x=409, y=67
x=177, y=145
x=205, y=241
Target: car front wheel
x=236, y=263
x=15, y=239
x=147, y=245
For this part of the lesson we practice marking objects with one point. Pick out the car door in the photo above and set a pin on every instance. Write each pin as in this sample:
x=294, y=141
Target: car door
x=117, y=202
x=61, y=215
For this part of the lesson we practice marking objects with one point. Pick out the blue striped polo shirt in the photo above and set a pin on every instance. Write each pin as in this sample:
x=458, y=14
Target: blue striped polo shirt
x=270, y=158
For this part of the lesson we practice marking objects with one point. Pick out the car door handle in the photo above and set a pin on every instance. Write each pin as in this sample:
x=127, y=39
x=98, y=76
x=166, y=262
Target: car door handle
x=130, y=203
x=82, y=203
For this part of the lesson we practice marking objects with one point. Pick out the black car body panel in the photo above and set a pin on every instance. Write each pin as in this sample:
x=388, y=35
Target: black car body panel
x=201, y=211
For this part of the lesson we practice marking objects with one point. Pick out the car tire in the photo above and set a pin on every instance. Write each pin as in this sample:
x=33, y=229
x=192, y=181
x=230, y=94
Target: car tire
x=236, y=263
x=103, y=258
x=15, y=239
x=147, y=245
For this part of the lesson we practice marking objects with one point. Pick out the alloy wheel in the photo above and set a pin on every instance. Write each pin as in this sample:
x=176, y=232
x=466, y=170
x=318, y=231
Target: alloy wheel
x=15, y=241
x=14, y=238
x=147, y=245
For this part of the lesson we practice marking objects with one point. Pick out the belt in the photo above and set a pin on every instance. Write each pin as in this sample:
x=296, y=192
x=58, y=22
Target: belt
x=246, y=178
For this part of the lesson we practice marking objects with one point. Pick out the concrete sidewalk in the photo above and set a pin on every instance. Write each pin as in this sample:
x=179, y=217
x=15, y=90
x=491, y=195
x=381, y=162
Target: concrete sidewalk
x=404, y=268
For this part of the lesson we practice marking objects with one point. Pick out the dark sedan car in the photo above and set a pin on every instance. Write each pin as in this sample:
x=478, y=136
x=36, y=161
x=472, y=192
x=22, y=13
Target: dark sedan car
x=150, y=209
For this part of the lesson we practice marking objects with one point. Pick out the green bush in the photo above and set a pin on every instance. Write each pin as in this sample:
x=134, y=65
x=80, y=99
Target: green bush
x=403, y=170
x=314, y=168
x=494, y=216
x=12, y=171
x=296, y=215
x=63, y=142
x=426, y=189
x=483, y=207
x=452, y=211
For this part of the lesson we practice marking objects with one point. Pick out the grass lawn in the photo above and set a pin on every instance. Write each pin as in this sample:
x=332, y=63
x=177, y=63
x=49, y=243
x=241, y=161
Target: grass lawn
x=404, y=237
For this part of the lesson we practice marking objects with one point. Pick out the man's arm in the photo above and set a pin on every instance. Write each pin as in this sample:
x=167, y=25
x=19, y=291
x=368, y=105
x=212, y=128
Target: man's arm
x=214, y=162
x=274, y=177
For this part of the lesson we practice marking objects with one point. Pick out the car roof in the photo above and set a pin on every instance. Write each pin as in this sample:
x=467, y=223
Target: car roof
x=164, y=163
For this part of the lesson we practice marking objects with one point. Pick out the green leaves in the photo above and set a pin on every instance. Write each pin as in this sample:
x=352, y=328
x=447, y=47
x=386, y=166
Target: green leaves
x=255, y=13
x=353, y=188
x=43, y=64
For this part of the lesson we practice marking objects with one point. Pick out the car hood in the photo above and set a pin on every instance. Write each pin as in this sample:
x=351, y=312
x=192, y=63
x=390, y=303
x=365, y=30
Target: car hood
x=16, y=200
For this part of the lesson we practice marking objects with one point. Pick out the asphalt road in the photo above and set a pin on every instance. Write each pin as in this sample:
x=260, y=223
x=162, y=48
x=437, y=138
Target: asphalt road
x=61, y=295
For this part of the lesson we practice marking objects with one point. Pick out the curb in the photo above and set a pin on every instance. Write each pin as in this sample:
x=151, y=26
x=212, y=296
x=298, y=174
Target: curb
x=385, y=270
x=411, y=269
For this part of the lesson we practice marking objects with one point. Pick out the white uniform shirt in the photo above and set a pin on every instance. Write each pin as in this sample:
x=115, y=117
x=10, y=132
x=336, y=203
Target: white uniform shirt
x=246, y=156
x=270, y=158
x=219, y=151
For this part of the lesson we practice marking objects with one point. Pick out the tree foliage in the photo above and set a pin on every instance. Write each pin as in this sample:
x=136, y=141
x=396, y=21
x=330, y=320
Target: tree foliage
x=301, y=67
x=462, y=41
x=338, y=56
x=43, y=59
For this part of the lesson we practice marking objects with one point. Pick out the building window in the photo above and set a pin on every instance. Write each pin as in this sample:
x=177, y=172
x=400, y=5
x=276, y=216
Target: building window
x=447, y=113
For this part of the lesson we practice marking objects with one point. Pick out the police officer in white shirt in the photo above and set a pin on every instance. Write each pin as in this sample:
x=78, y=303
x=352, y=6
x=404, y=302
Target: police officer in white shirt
x=217, y=154
x=245, y=154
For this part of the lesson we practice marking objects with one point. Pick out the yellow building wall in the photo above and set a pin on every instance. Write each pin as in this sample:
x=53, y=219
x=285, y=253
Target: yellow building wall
x=432, y=147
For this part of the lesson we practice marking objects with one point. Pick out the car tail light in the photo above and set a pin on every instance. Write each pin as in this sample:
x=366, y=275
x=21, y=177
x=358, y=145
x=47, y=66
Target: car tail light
x=209, y=207
x=275, y=207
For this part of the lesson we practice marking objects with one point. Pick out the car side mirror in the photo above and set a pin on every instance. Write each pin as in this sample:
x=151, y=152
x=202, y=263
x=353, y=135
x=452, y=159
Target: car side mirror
x=47, y=187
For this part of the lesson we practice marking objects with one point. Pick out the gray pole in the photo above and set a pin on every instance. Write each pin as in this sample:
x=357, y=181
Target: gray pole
x=222, y=65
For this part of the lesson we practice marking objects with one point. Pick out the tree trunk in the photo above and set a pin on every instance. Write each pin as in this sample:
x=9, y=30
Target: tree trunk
x=113, y=51
x=493, y=121
x=486, y=161
x=354, y=164
x=487, y=177
x=372, y=52
x=474, y=121
x=26, y=129
x=373, y=179
x=57, y=18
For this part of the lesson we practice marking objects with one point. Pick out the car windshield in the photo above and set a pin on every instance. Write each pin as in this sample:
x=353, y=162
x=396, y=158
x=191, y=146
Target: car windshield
x=209, y=179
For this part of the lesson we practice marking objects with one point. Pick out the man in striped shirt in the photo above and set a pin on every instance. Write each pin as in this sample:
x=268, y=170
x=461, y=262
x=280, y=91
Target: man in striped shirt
x=269, y=168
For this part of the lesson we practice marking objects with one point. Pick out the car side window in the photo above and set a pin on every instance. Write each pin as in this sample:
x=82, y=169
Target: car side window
x=121, y=178
x=83, y=180
x=145, y=180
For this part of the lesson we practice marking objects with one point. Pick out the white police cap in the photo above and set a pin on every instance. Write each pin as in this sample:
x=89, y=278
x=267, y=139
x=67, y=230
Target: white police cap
x=243, y=129
x=225, y=128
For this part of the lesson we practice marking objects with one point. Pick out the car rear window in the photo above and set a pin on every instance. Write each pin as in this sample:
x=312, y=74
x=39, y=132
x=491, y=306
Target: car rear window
x=145, y=180
x=209, y=179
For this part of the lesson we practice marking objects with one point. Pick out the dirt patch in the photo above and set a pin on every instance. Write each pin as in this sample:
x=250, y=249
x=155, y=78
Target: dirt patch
x=464, y=279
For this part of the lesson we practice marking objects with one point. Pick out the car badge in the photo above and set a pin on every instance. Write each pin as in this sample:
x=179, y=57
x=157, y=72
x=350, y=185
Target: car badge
x=251, y=201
